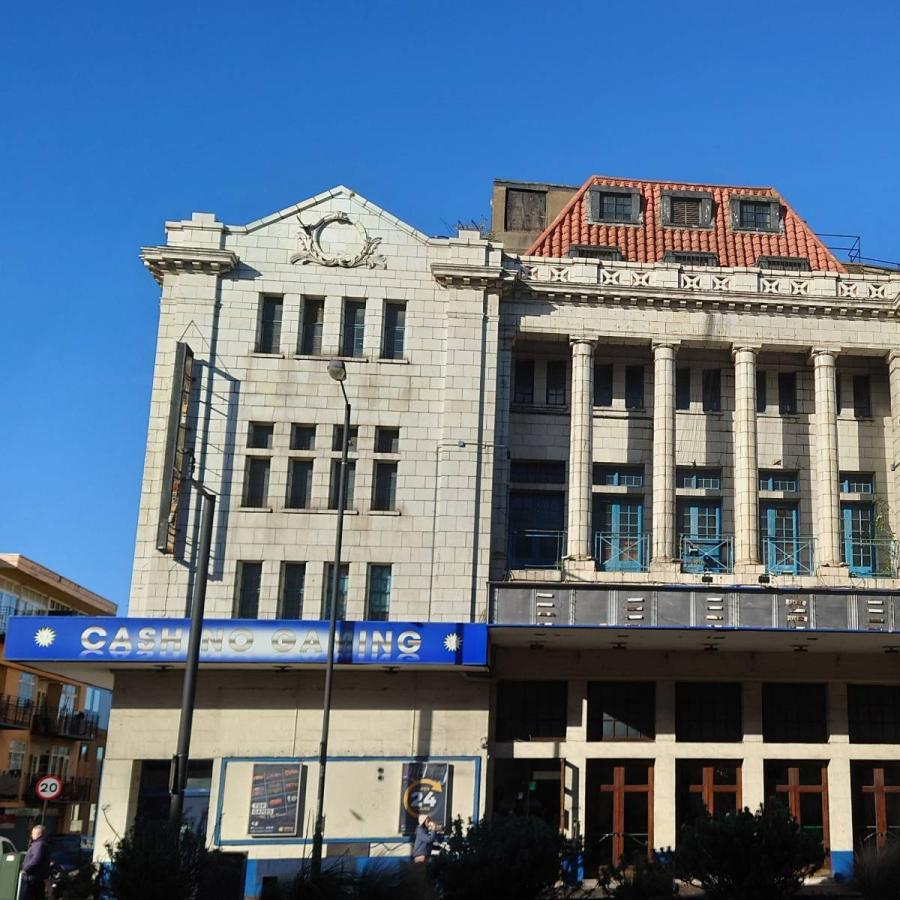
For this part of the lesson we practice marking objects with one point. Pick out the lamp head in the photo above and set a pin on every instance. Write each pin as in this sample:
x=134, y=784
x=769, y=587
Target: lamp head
x=337, y=370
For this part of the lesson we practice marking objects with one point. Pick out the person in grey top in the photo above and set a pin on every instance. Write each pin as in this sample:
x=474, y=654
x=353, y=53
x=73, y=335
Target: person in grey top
x=423, y=842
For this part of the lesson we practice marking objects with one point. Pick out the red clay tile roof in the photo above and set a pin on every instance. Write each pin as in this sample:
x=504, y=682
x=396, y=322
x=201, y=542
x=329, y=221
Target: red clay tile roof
x=649, y=241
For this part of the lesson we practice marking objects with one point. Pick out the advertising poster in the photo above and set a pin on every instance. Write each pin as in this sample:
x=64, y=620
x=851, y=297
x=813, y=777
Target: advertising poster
x=274, y=800
x=425, y=790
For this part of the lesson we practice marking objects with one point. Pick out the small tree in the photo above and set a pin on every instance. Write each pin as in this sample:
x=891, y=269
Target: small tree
x=747, y=856
x=504, y=858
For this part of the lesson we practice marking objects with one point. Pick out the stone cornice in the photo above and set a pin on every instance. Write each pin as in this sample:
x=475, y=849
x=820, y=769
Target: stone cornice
x=462, y=275
x=207, y=260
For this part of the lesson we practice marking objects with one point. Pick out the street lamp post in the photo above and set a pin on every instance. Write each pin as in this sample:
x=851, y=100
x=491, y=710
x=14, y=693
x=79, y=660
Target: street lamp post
x=338, y=372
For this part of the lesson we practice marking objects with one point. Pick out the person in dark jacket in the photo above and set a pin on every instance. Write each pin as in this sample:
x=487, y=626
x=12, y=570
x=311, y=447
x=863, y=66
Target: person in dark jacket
x=35, y=866
x=423, y=842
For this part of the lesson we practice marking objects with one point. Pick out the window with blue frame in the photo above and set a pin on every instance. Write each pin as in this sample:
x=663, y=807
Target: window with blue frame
x=536, y=529
x=703, y=549
x=619, y=476
x=692, y=479
x=776, y=480
x=782, y=551
x=858, y=538
x=857, y=483
x=619, y=534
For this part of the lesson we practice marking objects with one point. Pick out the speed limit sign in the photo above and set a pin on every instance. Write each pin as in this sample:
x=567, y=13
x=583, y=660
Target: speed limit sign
x=48, y=787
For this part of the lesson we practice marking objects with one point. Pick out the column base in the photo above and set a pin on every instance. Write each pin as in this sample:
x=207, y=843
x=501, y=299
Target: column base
x=665, y=566
x=578, y=566
x=753, y=569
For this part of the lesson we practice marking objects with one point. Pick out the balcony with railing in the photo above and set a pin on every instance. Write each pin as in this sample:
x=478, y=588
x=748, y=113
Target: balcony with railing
x=871, y=558
x=707, y=554
x=15, y=712
x=76, y=790
x=80, y=725
x=536, y=549
x=789, y=556
x=11, y=784
x=622, y=552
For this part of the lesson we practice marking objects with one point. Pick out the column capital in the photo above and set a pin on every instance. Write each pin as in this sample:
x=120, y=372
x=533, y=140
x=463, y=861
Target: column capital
x=582, y=339
x=892, y=357
x=665, y=345
x=745, y=346
x=816, y=353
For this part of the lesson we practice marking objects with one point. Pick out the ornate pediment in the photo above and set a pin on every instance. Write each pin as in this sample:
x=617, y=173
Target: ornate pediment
x=337, y=229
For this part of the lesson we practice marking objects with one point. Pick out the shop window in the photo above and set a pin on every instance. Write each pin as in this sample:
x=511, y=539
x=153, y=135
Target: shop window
x=708, y=712
x=795, y=713
x=874, y=714
x=531, y=710
x=706, y=787
x=153, y=792
x=530, y=787
x=621, y=711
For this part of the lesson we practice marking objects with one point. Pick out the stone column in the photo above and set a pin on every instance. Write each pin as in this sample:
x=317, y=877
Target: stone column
x=663, y=539
x=827, y=499
x=746, y=469
x=581, y=457
x=893, y=360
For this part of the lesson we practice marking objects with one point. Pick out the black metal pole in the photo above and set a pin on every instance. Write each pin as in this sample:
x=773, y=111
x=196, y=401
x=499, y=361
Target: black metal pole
x=178, y=777
x=316, y=859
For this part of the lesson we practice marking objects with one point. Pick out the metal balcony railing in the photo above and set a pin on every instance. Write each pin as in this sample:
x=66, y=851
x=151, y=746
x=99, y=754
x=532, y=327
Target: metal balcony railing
x=617, y=552
x=15, y=712
x=873, y=558
x=81, y=725
x=534, y=549
x=789, y=556
x=22, y=609
x=76, y=790
x=707, y=554
x=11, y=785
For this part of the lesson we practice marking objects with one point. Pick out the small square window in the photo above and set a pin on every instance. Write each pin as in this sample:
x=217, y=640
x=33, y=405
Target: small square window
x=686, y=209
x=337, y=439
x=757, y=214
x=387, y=440
x=259, y=436
x=614, y=205
x=303, y=437
x=603, y=384
x=787, y=393
x=526, y=210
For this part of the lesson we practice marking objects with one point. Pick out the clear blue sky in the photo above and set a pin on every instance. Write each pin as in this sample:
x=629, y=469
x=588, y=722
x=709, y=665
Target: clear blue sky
x=118, y=116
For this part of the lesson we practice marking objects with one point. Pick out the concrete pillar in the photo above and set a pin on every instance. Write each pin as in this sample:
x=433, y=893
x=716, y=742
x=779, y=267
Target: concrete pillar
x=578, y=540
x=665, y=767
x=893, y=360
x=746, y=474
x=828, y=525
x=662, y=556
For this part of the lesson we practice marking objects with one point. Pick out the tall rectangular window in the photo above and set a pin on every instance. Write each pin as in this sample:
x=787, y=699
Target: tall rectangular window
x=556, y=382
x=621, y=711
x=862, y=397
x=712, y=390
x=256, y=482
x=603, y=384
x=839, y=391
x=787, y=393
x=527, y=710
x=682, y=388
x=268, y=326
x=249, y=581
x=336, y=482
x=343, y=588
x=299, y=489
x=293, y=580
x=354, y=328
x=634, y=387
x=394, y=337
x=384, y=486
x=311, y=326
x=523, y=389
x=708, y=712
x=762, y=401
x=378, y=603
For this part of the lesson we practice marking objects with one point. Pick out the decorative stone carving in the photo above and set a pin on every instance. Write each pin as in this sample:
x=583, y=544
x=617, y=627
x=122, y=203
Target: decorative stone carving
x=311, y=249
x=799, y=288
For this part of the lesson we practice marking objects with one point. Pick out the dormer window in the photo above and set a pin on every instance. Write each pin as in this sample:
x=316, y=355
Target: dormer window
x=756, y=214
x=784, y=263
x=686, y=209
x=606, y=253
x=614, y=206
x=690, y=258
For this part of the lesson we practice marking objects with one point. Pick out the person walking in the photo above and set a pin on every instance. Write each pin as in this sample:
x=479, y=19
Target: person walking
x=35, y=865
x=423, y=842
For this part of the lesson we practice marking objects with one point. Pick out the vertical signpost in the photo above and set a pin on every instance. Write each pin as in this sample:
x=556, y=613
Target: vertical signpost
x=46, y=788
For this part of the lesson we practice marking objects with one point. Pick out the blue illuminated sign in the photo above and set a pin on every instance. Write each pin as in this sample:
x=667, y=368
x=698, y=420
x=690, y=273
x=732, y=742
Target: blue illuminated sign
x=136, y=640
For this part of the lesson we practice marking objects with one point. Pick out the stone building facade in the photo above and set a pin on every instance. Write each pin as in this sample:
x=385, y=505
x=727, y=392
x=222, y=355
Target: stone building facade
x=654, y=455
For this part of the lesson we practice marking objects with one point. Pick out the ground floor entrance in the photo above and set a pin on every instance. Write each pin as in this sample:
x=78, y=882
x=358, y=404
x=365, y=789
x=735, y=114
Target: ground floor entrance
x=619, y=811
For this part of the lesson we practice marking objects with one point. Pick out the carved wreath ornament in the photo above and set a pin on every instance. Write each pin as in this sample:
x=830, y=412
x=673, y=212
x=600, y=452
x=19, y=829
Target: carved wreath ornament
x=311, y=250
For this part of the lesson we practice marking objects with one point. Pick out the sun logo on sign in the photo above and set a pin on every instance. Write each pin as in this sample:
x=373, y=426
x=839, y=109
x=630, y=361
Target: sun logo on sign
x=452, y=642
x=44, y=637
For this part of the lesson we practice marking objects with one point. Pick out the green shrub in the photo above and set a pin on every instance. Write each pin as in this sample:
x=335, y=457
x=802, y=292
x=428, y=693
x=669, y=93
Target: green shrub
x=505, y=858
x=643, y=881
x=876, y=873
x=337, y=882
x=747, y=856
